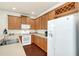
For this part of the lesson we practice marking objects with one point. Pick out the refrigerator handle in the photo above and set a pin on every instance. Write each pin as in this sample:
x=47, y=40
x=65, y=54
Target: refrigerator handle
x=51, y=35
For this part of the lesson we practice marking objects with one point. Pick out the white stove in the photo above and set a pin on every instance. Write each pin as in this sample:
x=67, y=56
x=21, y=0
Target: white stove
x=26, y=37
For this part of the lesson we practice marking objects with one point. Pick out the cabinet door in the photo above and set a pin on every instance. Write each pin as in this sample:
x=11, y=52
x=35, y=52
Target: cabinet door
x=32, y=38
x=42, y=22
x=33, y=24
x=43, y=44
x=23, y=19
x=28, y=21
x=36, y=24
x=37, y=40
x=39, y=23
x=45, y=20
x=51, y=15
x=40, y=42
x=14, y=22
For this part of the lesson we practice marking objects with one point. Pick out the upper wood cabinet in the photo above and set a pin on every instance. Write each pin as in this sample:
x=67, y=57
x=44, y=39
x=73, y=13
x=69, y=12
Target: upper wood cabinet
x=77, y=6
x=65, y=9
x=23, y=19
x=51, y=15
x=31, y=22
x=14, y=22
x=37, y=24
x=46, y=17
x=43, y=22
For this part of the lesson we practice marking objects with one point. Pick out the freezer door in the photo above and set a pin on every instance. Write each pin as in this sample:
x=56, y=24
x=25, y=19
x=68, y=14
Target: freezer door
x=51, y=38
x=65, y=36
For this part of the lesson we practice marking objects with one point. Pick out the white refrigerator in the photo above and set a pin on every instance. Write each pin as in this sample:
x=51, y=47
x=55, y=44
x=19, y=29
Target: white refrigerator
x=63, y=36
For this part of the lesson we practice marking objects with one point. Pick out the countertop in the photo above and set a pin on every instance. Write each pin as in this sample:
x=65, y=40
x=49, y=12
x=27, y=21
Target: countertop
x=41, y=35
x=1, y=37
x=15, y=49
x=12, y=50
x=37, y=34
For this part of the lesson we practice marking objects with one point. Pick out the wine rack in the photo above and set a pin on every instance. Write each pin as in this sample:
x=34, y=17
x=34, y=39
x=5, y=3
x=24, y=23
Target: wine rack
x=65, y=8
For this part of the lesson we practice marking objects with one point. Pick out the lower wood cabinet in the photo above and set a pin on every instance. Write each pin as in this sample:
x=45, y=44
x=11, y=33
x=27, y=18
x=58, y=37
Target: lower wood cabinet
x=40, y=42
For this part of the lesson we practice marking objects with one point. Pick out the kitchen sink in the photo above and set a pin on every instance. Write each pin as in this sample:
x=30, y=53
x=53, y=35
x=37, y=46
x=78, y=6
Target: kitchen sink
x=9, y=41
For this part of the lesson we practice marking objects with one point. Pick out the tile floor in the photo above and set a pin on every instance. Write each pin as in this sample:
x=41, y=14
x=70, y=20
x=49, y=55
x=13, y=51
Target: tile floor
x=34, y=50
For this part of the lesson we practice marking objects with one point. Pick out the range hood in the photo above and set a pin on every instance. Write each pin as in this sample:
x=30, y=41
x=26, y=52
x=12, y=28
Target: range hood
x=25, y=26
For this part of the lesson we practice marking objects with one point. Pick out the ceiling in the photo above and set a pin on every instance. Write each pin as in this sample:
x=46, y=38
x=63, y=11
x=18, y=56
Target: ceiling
x=27, y=8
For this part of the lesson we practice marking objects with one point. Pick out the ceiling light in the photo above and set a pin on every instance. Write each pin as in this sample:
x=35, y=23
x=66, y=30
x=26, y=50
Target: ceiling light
x=32, y=12
x=13, y=8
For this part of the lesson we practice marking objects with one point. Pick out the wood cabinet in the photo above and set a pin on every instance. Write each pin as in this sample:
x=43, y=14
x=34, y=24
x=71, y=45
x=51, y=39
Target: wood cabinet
x=41, y=23
x=14, y=22
x=32, y=38
x=46, y=17
x=36, y=24
x=43, y=44
x=40, y=42
x=77, y=6
x=51, y=15
x=23, y=19
x=31, y=22
x=65, y=9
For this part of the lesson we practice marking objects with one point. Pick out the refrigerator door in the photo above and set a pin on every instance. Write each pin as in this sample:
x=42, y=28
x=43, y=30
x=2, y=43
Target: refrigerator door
x=51, y=38
x=65, y=36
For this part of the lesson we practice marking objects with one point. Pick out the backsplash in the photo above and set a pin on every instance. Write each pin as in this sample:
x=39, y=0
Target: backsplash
x=15, y=31
x=19, y=31
x=41, y=31
x=32, y=31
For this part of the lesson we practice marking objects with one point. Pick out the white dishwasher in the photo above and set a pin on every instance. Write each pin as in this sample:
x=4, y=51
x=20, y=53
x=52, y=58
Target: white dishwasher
x=26, y=39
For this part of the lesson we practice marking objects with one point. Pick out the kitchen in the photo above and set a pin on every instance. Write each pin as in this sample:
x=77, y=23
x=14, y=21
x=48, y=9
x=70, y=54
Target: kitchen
x=27, y=31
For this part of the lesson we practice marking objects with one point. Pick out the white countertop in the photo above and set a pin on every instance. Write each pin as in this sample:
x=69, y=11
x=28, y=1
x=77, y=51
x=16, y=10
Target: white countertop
x=41, y=35
x=1, y=37
x=15, y=49
x=37, y=34
x=12, y=50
